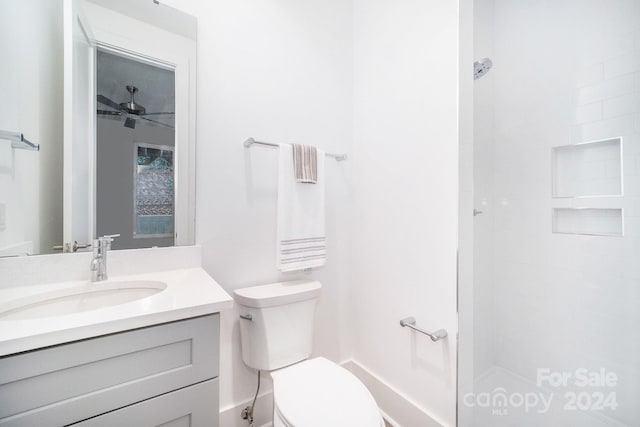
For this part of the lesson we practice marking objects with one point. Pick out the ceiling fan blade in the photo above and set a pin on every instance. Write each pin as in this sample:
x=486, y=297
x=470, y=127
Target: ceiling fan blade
x=130, y=123
x=109, y=113
x=156, y=122
x=106, y=101
x=155, y=114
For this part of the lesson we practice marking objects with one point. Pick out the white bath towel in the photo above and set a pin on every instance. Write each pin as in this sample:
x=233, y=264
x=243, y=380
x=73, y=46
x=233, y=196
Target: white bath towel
x=301, y=229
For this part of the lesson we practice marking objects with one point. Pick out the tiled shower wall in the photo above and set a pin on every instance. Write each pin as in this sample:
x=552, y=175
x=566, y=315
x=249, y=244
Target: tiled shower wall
x=565, y=72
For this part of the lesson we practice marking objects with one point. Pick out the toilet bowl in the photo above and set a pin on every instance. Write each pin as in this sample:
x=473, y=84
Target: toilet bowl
x=319, y=393
x=276, y=331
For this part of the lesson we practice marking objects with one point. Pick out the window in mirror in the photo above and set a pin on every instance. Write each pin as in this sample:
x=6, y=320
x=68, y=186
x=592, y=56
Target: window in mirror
x=154, y=191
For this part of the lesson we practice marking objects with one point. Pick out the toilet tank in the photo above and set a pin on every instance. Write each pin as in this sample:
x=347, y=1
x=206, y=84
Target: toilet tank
x=280, y=331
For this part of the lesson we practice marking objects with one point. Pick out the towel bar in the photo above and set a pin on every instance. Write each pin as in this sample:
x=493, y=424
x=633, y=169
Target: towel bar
x=249, y=142
x=19, y=141
x=410, y=322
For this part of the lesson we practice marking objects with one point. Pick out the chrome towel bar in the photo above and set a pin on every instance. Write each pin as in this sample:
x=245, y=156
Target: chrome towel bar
x=410, y=322
x=19, y=141
x=249, y=142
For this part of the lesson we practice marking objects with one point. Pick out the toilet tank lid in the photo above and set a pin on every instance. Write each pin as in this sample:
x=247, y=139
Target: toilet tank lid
x=277, y=293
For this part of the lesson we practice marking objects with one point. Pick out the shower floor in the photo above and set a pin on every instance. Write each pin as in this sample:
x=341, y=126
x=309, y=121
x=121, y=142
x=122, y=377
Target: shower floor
x=497, y=380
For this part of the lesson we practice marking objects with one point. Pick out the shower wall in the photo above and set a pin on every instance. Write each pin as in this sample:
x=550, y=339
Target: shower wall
x=565, y=72
x=483, y=151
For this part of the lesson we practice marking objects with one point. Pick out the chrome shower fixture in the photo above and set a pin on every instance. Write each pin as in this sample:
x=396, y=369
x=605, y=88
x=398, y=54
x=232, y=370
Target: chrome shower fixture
x=482, y=67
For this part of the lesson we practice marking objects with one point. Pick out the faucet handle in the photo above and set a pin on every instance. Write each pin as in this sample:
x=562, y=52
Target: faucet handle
x=105, y=241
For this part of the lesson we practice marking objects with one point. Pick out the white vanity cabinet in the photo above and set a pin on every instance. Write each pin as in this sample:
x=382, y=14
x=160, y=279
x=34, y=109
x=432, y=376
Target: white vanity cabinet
x=165, y=374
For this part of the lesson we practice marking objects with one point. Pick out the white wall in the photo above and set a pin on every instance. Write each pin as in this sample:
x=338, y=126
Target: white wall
x=375, y=79
x=565, y=301
x=405, y=213
x=277, y=71
x=31, y=87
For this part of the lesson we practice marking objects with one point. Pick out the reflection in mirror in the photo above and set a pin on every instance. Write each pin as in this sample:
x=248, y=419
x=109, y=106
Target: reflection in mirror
x=32, y=95
x=135, y=151
x=113, y=159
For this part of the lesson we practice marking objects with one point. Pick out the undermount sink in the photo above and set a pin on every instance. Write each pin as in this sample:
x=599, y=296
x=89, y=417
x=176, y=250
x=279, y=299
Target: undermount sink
x=79, y=299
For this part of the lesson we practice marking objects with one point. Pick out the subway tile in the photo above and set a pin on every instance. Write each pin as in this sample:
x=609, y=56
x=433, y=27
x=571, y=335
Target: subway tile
x=631, y=144
x=589, y=75
x=632, y=218
x=621, y=65
x=589, y=112
x=621, y=105
x=632, y=187
x=595, y=47
x=616, y=43
x=613, y=168
x=619, y=126
x=618, y=86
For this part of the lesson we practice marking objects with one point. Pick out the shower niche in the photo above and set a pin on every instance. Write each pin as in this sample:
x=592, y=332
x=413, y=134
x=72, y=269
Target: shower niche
x=588, y=173
x=589, y=221
x=589, y=169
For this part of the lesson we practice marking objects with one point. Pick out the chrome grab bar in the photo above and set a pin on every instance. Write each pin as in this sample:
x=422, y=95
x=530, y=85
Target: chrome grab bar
x=410, y=322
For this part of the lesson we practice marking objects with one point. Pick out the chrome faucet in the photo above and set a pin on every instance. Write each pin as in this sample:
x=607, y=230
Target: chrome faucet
x=99, y=262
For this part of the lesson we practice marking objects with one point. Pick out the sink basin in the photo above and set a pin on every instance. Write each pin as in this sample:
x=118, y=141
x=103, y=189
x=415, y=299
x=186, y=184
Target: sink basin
x=79, y=299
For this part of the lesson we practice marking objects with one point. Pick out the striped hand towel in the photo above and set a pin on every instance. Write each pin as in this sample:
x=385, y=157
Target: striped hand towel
x=301, y=228
x=305, y=163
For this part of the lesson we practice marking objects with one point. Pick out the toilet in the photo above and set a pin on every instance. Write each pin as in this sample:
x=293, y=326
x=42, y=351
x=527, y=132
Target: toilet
x=276, y=330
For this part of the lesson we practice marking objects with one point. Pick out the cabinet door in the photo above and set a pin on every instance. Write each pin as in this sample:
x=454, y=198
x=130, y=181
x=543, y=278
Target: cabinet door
x=195, y=406
x=72, y=382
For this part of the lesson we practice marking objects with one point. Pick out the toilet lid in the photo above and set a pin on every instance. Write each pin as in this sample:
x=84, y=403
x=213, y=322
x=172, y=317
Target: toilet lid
x=319, y=393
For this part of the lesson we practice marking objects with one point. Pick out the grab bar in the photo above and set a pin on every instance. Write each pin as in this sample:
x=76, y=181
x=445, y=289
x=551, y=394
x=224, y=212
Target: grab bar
x=410, y=322
x=19, y=141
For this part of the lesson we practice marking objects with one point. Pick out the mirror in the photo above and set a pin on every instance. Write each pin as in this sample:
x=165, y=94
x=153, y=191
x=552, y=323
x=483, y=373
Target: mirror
x=106, y=88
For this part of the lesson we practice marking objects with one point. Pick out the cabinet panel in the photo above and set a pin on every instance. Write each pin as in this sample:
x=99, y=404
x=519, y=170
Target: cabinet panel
x=195, y=406
x=75, y=381
x=184, y=421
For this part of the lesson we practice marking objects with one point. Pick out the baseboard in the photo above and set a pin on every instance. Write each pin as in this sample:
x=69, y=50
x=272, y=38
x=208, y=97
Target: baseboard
x=397, y=409
x=263, y=412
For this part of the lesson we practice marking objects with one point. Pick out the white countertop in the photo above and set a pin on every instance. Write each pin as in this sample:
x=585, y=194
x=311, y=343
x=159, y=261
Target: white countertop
x=190, y=292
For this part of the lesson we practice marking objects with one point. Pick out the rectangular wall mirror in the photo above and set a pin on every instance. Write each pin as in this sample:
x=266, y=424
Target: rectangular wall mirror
x=106, y=88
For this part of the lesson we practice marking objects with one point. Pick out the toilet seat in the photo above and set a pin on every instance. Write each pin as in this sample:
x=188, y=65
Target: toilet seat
x=319, y=393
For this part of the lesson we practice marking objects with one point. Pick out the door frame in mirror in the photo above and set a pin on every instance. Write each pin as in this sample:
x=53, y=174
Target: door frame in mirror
x=78, y=127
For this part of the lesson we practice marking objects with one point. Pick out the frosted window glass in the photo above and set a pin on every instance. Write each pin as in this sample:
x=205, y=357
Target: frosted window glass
x=154, y=191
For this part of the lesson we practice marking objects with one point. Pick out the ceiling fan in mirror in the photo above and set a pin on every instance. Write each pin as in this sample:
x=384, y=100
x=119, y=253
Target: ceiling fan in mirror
x=130, y=110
